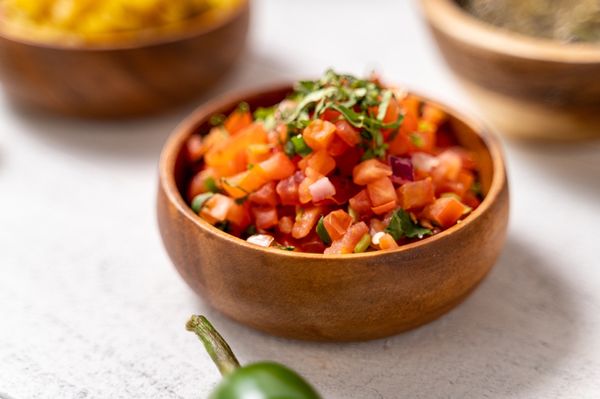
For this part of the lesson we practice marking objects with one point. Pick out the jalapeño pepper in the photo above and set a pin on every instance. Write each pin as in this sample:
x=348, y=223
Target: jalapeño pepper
x=262, y=380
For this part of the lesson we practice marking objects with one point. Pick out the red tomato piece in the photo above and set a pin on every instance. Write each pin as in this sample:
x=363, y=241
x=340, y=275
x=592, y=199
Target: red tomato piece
x=346, y=132
x=244, y=183
x=384, y=208
x=417, y=194
x=287, y=189
x=194, y=147
x=368, y=171
x=286, y=224
x=266, y=195
x=347, y=243
x=319, y=161
x=336, y=223
x=449, y=166
x=197, y=184
x=277, y=167
x=239, y=215
x=229, y=156
x=361, y=203
x=337, y=147
x=305, y=221
x=331, y=115
x=381, y=191
x=319, y=134
x=265, y=217
x=444, y=212
x=237, y=121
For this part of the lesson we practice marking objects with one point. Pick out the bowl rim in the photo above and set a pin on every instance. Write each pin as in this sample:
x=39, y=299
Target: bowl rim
x=448, y=17
x=140, y=38
x=177, y=138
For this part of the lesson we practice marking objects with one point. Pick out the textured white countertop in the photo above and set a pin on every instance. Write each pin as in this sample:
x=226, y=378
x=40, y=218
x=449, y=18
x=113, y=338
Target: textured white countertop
x=90, y=306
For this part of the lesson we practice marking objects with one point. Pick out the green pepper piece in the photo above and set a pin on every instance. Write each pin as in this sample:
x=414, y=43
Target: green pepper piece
x=262, y=380
x=363, y=244
x=322, y=232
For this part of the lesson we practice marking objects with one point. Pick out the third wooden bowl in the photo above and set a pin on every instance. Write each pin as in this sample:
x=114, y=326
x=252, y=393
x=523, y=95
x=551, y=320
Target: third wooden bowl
x=524, y=86
x=330, y=297
x=125, y=75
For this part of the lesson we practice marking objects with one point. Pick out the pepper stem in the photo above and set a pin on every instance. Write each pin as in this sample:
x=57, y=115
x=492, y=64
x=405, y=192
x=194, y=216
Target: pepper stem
x=215, y=345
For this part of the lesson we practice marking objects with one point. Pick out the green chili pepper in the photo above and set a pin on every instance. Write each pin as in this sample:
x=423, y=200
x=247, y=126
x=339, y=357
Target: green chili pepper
x=199, y=201
x=363, y=244
x=263, y=380
x=322, y=232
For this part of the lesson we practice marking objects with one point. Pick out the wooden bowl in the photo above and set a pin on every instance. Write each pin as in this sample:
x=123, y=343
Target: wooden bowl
x=330, y=297
x=124, y=76
x=525, y=87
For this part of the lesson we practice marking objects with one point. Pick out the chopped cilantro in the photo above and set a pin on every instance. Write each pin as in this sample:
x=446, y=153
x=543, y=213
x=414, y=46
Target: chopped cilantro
x=211, y=185
x=401, y=225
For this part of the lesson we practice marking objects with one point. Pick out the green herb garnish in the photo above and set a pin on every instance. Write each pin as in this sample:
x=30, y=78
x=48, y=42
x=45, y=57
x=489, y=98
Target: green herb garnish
x=322, y=232
x=300, y=146
x=401, y=225
x=217, y=120
x=211, y=185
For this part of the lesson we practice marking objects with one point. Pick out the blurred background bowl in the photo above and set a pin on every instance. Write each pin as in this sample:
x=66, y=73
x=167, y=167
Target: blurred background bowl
x=524, y=86
x=128, y=76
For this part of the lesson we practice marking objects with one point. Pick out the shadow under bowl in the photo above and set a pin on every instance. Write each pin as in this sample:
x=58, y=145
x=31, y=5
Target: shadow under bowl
x=330, y=297
x=128, y=75
x=526, y=87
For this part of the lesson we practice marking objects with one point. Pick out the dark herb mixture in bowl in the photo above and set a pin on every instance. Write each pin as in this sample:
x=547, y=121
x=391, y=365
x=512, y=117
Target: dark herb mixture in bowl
x=343, y=165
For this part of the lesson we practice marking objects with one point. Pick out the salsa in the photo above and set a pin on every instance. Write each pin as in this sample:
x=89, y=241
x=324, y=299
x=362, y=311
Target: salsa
x=342, y=165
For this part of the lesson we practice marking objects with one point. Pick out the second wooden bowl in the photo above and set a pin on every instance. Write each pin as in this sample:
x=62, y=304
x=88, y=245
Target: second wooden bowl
x=525, y=87
x=327, y=297
x=126, y=75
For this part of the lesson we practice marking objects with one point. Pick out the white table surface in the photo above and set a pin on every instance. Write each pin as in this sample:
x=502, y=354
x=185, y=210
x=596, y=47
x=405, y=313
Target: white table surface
x=91, y=307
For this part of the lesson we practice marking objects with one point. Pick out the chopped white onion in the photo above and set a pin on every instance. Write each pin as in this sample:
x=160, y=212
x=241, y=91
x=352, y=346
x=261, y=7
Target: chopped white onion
x=263, y=240
x=376, y=238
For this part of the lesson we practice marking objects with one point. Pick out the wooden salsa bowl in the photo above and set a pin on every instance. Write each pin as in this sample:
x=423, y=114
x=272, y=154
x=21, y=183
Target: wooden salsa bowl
x=330, y=297
x=126, y=75
x=524, y=86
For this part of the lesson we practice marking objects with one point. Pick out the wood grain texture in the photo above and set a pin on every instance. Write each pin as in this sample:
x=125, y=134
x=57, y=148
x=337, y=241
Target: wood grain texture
x=125, y=79
x=331, y=298
x=526, y=87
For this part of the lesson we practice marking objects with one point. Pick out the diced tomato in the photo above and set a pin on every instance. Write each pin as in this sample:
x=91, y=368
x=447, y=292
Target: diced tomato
x=381, y=192
x=257, y=153
x=471, y=200
x=361, y=203
x=278, y=167
x=401, y=144
x=331, y=115
x=384, y=208
x=460, y=186
x=305, y=221
x=344, y=189
x=228, y=156
x=265, y=195
x=286, y=224
x=319, y=134
x=239, y=215
x=336, y=223
x=237, y=121
x=319, y=161
x=417, y=194
x=369, y=171
x=304, y=194
x=348, y=160
x=194, y=147
x=423, y=141
x=448, y=168
x=376, y=225
x=244, y=183
x=265, y=217
x=433, y=114
x=346, y=132
x=198, y=183
x=287, y=189
x=387, y=242
x=216, y=208
x=337, y=147
x=346, y=244
x=444, y=212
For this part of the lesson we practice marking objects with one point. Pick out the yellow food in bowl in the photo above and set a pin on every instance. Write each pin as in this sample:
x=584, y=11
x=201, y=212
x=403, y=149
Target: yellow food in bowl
x=94, y=20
